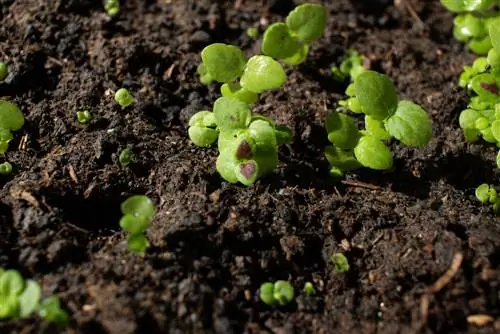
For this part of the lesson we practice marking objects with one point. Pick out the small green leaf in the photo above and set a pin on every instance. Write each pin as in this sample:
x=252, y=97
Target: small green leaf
x=494, y=32
x=262, y=73
x=11, y=117
x=123, y=97
x=456, y=6
x=29, y=299
x=231, y=113
x=470, y=26
x=223, y=63
x=376, y=128
x=278, y=42
x=376, y=94
x=340, y=262
x=266, y=293
x=299, y=57
x=482, y=123
x=372, y=153
x=485, y=86
x=480, y=46
x=307, y=21
x=137, y=243
x=126, y=157
x=11, y=283
x=235, y=90
x=283, y=292
x=50, y=310
x=342, y=131
x=410, y=124
x=201, y=136
x=283, y=134
x=309, y=289
x=341, y=159
x=263, y=134
x=9, y=306
x=494, y=59
x=495, y=130
x=267, y=160
x=467, y=118
x=482, y=193
x=138, y=205
x=226, y=165
x=135, y=224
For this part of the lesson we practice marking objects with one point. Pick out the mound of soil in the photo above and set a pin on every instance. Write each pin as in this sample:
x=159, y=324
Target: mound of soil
x=214, y=243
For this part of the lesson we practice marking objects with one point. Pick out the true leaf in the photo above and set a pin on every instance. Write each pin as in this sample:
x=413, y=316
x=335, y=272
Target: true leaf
x=373, y=153
x=410, y=124
x=223, y=63
x=231, y=113
x=278, y=42
x=11, y=117
x=307, y=21
x=262, y=73
x=376, y=94
x=376, y=128
x=342, y=131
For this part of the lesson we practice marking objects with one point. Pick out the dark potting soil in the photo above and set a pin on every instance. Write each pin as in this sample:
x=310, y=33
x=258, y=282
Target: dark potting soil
x=214, y=243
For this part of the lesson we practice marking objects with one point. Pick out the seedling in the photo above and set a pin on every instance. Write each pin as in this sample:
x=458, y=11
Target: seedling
x=83, y=117
x=4, y=71
x=289, y=41
x=5, y=168
x=386, y=116
x=488, y=195
x=351, y=66
x=309, y=289
x=340, y=262
x=112, y=7
x=138, y=212
x=21, y=298
x=253, y=33
x=280, y=293
x=202, y=128
x=123, y=97
x=126, y=157
x=11, y=119
x=460, y=6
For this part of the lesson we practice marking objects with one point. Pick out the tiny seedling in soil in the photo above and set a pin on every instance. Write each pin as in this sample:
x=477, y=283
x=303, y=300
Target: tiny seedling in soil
x=350, y=67
x=11, y=119
x=123, y=97
x=5, y=168
x=4, y=71
x=340, y=262
x=309, y=289
x=253, y=33
x=83, y=116
x=488, y=195
x=21, y=298
x=280, y=293
x=138, y=212
x=112, y=7
x=386, y=116
x=126, y=157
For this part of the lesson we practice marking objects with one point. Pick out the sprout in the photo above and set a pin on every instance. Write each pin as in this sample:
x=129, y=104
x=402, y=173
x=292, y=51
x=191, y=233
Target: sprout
x=20, y=298
x=486, y=194
x=376, y=94
x=126, y=157
x=340, y=262
x=252, y=32
x=83, y=117
x=280, y=293
x=223, y=63
x=112, y=7
x=138, y=212
x=11, y=119
x=351, y=66
x=202, y=128
x=4, y=71
x=309, y=289
x=5, y=168
x=123, y=97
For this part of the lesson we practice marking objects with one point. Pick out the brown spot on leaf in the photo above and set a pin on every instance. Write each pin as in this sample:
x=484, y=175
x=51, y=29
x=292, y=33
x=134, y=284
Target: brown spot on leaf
x=244, y=151
x=248, y=169
x=490, y=87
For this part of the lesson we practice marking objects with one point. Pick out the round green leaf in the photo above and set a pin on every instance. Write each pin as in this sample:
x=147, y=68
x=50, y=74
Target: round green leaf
x=482, y=193
x=341, y=159
x=467, y=118
x=138, y=205
x=137, y=243
x=478, y=5
x=11, y=283
x=231, y=113
x=266, y=293
x=376, y=94
x=299, y=57
x=376, y=128
x=11, y=117
x=410, y=125
x=202, y=118
x=373, y=153
x=494, y=59
x=226, y=165
x=480, y=46
x=262, y=73
x=223, y=63
x=263, y=134
x=202, y=137
x=134, y=224
x=235, y=90
x=278, y=42
x=307, y=22
x=29, y=299
x=342, y=131
x=494, y=32
x=456, y=6
x=340, y=262
x=283, y=292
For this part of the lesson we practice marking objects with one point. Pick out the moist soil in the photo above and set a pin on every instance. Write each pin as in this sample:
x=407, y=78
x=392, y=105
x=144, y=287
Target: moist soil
x=214, y=243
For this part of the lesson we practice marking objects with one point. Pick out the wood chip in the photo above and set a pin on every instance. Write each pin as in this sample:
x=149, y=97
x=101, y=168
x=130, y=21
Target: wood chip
x=359, y=184
x=479, y=319
x=72, y=174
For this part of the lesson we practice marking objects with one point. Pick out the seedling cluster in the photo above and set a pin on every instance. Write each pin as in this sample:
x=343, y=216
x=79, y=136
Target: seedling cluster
x=486, y=194
x=351, y=66
x=21, y=298
x=11, y=119
x=138, y=212
x=247, y=142
x=472, y=23
x=278, y=293
x=374, y=95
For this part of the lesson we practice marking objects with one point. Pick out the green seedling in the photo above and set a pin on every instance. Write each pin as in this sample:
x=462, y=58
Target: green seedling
x=262, y=73
x=138, y=212
x=280, y=293
x=123, y=97
x=309, y=289
x=222, y=63
x=289, y=41
x=459, y=6
x=386, y=117
x=11, y=119
x=112, y=7
x=5, y=168
x=202, y=128
x=21, y=298
x=4, y=71
x=488, y=195
x=253, y=33
x=234, y=89
x=350, y=67
x=126, y=157
x=340, y=262
x=83, y=116
x=205, y=78
x=472, y=29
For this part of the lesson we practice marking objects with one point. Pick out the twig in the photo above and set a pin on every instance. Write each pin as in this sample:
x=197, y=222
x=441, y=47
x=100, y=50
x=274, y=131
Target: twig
x=360, y=184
